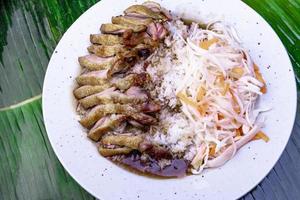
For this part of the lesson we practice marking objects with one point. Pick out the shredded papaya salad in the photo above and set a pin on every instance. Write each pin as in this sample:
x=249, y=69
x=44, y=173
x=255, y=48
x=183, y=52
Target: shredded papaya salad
x=218, y=92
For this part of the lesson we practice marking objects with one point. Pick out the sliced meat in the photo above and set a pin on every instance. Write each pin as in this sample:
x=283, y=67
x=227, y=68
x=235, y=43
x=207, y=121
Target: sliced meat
x=135, y=124
x=88, y=90
x=149, y=107
x=130, y=141
x=155, y=7
x=121, y=28
x=93, y=78
x=105, y=124
x=106, y=39
x=111, y=96
x=106, y=152
x=131, y=39
x=92, y=100
x=125, y=61
x=137, y=91
x=157, y=31
x=106, y=51
x=131, y=80
x=101, y=110
x=119, y=66
x=143, y=118
x=97, y=113
x=118, y=97
x=93, y=62
x=121, y=128
x=144, y=12
x=120, y=83
x=127, y=20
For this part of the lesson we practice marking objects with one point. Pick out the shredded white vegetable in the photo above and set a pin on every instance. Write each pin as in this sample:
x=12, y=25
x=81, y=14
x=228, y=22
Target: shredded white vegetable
x=214, y=79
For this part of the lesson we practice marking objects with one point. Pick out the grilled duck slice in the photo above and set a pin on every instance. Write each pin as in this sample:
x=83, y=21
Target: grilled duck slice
x=106, y=51
x=111, y=96
x=149, y=107
x=97, y=113
x=105, y=39
x=125, y=61
x=105, y=124
x=135, y=124
x=121, y=28
x=137, y=91
x=93, y=62
x=88, y=90
x=144, y=11
x=93, y=78
x=127, y=20
x=118, y=97
x=143, y=118
x=112, y=152
x=92, y=100
x=101, y=110
x=157, y=31
x=155, y=7
x=133, y=39
x=137, y=142
x=119, y=66
x=120, y=83
x=131, y=80
x=123, y=140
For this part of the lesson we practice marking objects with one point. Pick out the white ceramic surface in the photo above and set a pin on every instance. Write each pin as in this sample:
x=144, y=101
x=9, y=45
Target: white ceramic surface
x=107, y=181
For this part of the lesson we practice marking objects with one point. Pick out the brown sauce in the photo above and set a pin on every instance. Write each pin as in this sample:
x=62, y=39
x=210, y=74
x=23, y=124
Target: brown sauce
x=133, y=162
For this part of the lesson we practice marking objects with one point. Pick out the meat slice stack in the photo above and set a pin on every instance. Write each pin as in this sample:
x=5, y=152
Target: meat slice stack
x=115, y=102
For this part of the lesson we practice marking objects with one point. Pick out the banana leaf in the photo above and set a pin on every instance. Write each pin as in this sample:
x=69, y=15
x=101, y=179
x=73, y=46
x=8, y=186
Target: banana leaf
x=29, y=32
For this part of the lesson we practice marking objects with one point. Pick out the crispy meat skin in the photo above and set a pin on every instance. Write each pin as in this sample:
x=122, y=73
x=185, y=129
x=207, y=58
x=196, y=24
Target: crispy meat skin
x=155, y=7
x=101, y=110
x=131, y=80
x=105, y=124
x=127, y=20
x=106, y=50
x=121, y=28
x=88, y=90
x=93, y=62
x=125, y=60
x=112, y=152
x=92, y=100
x=93, y=78
x=111, y=96
x=130, y=141
x=125, y=144
x=105, y=39
x=143, y=11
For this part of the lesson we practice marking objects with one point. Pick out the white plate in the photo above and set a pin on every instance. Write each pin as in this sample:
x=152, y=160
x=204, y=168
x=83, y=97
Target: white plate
x=107, y=181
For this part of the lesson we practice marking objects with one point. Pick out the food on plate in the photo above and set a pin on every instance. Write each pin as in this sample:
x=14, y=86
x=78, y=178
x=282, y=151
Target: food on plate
x=166, y=97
